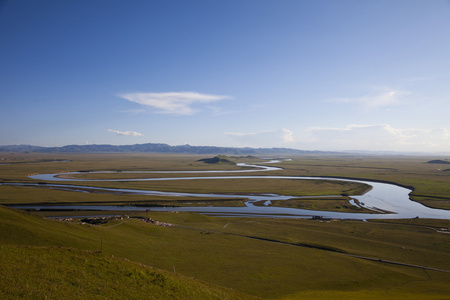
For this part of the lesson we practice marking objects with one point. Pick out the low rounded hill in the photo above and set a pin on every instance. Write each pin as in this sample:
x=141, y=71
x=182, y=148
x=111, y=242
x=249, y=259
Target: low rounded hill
x=219, y=159
x=438, y=161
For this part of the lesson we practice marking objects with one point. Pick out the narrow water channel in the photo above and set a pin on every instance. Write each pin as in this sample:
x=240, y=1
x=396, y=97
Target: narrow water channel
x=382, y=197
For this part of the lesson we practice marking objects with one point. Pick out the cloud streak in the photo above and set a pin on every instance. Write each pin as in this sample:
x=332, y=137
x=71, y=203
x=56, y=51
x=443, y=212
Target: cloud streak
x=176, y=103
x=378, y=99
x=380, y=137
x=128, y=133
x=263, y=139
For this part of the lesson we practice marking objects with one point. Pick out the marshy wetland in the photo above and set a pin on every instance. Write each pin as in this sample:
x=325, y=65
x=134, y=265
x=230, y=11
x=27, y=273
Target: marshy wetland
x=255, y=256
x=276, y=196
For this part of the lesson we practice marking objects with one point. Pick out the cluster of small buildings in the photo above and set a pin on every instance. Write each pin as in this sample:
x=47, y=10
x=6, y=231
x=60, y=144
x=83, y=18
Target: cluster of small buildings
x=94, y=220
x=158, y=223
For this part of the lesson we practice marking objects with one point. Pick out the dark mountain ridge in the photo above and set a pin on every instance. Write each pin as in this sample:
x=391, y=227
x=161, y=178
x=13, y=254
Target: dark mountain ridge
x=153, y=148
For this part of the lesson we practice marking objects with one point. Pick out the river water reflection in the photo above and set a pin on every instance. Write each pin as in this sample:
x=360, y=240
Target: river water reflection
x=382, y=197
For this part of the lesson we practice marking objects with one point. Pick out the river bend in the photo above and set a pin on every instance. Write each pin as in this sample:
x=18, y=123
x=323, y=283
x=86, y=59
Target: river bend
x=382, y=197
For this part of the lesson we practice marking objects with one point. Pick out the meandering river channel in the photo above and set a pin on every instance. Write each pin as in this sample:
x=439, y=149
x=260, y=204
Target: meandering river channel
x=381, y=198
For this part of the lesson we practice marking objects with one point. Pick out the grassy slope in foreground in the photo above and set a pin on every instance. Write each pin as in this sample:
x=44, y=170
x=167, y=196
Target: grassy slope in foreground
x=261, y=268
x=50, y=272
x=47, y=271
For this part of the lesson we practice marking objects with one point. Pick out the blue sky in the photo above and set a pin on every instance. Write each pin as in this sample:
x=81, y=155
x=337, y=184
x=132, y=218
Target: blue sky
x=313, y=75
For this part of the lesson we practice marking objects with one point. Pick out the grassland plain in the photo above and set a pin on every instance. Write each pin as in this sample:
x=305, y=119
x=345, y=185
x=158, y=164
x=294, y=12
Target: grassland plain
x=431, y=182
x=269, y=258
x=25, y=165
x=236, y=253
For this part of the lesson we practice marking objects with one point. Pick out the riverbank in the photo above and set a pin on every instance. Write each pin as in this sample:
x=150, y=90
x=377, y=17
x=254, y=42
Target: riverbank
x=381, y=198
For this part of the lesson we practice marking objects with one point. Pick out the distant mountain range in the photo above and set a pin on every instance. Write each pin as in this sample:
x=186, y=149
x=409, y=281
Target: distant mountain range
x=156, y=148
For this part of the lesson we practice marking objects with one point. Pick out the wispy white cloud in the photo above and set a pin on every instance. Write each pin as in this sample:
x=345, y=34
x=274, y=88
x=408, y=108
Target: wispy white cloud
x=276, y=138
x=134, y=111
x=287, y=135
x=380, y=137
x=130, y=133
x=380, y=98
x=218, y=111
x=177, y=103
x=417, y=79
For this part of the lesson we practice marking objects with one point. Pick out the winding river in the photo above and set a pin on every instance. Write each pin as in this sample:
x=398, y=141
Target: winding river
x=381, y=198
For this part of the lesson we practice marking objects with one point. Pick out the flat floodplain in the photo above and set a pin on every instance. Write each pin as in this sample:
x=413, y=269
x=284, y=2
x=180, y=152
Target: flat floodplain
x=268, y=258
x=431, y=182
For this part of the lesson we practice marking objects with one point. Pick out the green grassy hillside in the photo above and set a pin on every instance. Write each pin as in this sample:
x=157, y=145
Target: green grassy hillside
x=67, y=273
x=41, y=258
x=238, y=253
